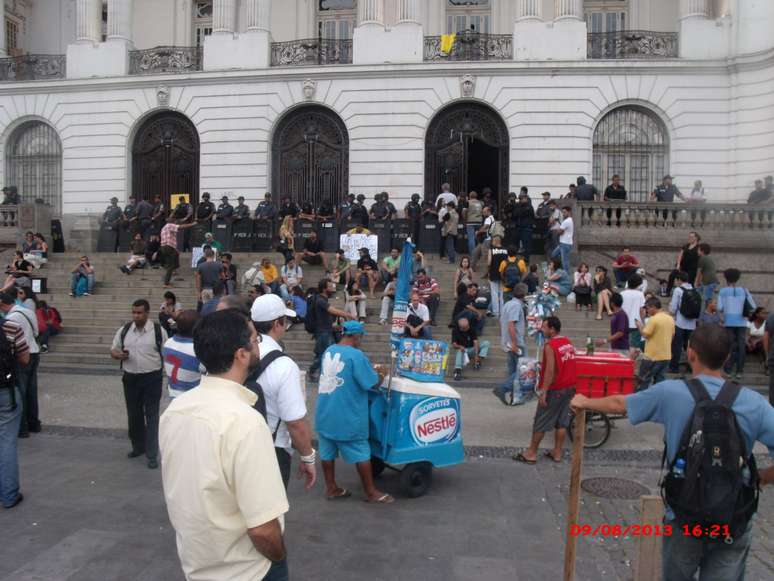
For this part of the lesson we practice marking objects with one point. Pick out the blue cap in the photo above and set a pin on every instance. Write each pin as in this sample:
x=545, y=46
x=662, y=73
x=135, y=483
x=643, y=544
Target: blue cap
x=354, y=328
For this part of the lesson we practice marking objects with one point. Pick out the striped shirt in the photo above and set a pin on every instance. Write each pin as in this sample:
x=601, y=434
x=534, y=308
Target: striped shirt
x=15, y=335
x=169, y=235
x=181, y=365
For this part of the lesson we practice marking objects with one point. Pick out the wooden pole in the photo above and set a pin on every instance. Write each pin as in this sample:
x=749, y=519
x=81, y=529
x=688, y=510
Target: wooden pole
x=573, y=502
x=648, y=564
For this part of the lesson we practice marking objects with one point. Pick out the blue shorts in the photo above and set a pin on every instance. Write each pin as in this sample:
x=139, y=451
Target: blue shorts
x=353, y=452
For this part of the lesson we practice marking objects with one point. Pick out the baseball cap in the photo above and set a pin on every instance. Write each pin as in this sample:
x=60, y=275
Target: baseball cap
x=353, y=328
x=224, y=198
x=269, y=308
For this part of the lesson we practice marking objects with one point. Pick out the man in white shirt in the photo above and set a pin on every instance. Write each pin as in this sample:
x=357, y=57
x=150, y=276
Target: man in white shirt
x=417, y=319
x=634, y=307
x=292, y=276
x=280, y=379
x=566, y=232
x=684, y=326
x=221, y=481
x=444, y=198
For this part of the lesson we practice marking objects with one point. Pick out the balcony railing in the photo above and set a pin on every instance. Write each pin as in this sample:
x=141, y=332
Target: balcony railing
x=471, y=46
x=32, y=67
x=311, y=51
x=633, y=44
x=165, y=59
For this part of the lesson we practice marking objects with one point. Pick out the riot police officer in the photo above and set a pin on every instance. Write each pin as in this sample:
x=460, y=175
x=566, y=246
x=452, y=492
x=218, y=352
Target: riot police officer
x=288, y=208
x=307, y=211
x=359, y=212
x=205, y=209
x=112, y=219
x=413, y=213
x=380, y=210
x=183, y=214
x=128, y=223
x=144, y=211
x=266, y=210
x=345, y=208
x=225, y=210
x=241, y=211
x=159, y=217
x=325, y=211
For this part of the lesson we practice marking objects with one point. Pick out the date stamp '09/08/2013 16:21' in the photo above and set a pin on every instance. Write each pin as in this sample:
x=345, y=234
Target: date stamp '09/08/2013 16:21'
x=607, y=530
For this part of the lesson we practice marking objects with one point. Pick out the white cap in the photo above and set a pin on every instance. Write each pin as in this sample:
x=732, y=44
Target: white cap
x=269, y=308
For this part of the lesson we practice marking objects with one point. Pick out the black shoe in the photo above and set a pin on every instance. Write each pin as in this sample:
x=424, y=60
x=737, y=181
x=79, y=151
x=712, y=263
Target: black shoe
x=135, y=454
x=477, y=365
x=35, y=429
x=500, y=395
x=19, y=498
x=457, y=374
x=153, y=463
x=24, y=434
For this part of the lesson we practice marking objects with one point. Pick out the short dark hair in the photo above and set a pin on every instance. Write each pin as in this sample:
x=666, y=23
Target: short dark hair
x=513, y=251
x=235, y=302
x=8, y=298
x=185, y=323
x=682, y=275
x=653, y=302
x=218, y=336
x=732, y=275
x=634, y=281
x=264, y=327
x=568, y=208
x=705, y=248
x=170, y=295
x=323, y=284
x=421, y=271
x=616, y=300
x=226, y=255
x=554, y=323
x=141, y=303
x=712, y=345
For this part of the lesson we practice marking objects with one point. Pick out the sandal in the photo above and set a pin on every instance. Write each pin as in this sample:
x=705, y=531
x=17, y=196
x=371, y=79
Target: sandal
x=383, y=499
x=551, y=456
x=343, y=493
x=598, y=317
x=524, y=460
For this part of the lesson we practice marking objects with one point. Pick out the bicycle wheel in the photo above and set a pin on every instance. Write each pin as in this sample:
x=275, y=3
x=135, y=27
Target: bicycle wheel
x=597, y=429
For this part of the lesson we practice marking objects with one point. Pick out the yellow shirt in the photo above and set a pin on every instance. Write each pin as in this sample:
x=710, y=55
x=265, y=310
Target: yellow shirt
x=220, y=477
x=658, y=333
x=505, y=263
x=270, y=273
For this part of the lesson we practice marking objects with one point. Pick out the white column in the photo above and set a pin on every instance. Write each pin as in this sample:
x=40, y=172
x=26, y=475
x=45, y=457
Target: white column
x=119, y=22
x=568, y=9
x=223, y=16
x=2, y=32
x=408, y=11
x=529, y=10
x=694, y=8
x=258, y=15
x=370, y=12
x=88, y=21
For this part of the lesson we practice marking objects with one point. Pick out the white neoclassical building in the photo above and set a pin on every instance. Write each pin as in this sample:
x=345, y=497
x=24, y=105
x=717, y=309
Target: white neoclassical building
x=316, y=98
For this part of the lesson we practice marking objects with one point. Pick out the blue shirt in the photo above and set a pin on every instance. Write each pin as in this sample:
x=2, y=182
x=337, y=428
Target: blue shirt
x=342, y=404
x=299, y=305
x=671, y=404
x=731, y=304
x=674, y=308
x=181, y=365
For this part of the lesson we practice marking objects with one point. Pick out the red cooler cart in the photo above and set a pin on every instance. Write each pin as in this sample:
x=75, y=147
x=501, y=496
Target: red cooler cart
x=599, y=375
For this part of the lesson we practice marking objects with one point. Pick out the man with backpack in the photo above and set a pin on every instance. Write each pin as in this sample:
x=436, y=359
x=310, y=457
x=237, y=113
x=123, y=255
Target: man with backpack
x=138, y=346
x=685, y=306
x=511, y=270
x=14, y=353
x=280, y=381
x=710, y=490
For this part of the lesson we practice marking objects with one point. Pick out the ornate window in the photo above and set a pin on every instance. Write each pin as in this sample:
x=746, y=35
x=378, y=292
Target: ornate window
x=336, y=18
x=634, y=144
x=202, y=21
x=606, y=15
x=33, y=163
x=468, y=15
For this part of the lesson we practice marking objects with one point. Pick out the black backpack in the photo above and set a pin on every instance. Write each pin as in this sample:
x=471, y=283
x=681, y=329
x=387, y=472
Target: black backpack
x=310, y=320
x=690, y=304
x=8, y=366
x=253, y=385
x=718, y=486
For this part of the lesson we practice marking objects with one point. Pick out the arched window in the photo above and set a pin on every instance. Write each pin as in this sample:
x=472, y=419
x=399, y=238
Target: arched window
x=336, y=18
x=464, y=15
x=632, y=143
x=33, y=163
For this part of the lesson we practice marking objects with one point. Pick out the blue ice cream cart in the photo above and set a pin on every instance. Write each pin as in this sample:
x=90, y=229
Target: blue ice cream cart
x=416, y=422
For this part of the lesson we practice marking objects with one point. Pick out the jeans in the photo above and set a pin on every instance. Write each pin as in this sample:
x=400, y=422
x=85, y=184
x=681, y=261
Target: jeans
x=563, y=251
x=738, y=349
x=432, y=302
x=278, y=571
x=451, y=253
x=47, y=334
x=513, y=373
x=170, y=260
x=385, y=310
x=651, y=372
x=771, y=383
x=683, y=555
x=525, y=239
x=471, y=230
x=483, y=351
x=496, y=291
x=322, y=340
x=679, y=344
x=74, y=276
x=10, y=419
x=623, y=276
x=707, y=291
x=142, y=393
x=27, y=378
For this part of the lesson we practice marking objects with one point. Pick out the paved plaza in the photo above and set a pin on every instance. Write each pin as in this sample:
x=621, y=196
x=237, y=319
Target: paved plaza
x=92, y=514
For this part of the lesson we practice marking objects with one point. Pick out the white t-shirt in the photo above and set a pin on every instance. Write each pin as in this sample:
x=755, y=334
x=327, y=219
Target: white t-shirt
x=489, y=222
x=633, y=301
x=568, y=229
x=446, y=197
x=285, y=402
x=420, y=311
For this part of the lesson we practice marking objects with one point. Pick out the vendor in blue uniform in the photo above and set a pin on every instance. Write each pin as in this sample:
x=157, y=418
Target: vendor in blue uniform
x=342, y=412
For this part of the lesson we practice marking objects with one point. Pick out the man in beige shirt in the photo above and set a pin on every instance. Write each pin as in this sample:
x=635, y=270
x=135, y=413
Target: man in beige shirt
x=222, y=484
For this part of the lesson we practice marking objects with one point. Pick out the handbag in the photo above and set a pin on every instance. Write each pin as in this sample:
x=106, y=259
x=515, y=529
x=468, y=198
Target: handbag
x=582, y=290
x=747, y=308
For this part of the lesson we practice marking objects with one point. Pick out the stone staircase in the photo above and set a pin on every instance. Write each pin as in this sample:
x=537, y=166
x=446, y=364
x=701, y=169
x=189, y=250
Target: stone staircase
x=91, y=322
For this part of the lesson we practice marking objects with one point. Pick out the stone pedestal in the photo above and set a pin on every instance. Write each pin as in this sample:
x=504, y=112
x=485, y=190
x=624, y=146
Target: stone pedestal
x=373, y=44
x=104, y=59
x=250, y=50
x=535, y=40
x=701, y=38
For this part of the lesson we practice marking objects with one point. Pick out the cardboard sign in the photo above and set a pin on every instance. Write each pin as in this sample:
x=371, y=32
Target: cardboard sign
x=352, y=243
x=422, y=360
x=174, y=199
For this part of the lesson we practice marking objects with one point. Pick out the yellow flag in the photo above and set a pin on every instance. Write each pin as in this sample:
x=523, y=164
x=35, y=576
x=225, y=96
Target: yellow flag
x=447, y=43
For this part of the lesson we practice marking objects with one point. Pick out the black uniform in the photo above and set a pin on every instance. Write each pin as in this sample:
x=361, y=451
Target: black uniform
x=159, y=217
x=205, y=210
x=144, y=217
x=413, y=212
x=225, y=211
x=359, y=214
x=112, y=218
x=288, y=208
x=325, y=211
x=380, y=210
x=266, y=211
x=241, y=212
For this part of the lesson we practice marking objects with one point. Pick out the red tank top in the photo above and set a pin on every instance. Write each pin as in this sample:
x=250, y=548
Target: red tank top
x=564, y=356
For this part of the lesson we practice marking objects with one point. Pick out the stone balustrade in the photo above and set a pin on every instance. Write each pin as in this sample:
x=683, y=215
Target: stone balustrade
x=311, y=51
x=471, y=46
x=633, y=44
x=165, y=59
x=32, y=67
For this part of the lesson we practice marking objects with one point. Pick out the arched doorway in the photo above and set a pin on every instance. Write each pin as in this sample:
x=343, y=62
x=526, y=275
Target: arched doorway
x=165, y=158
x=310, y=156
x=467, y=147
x=633, y=143
x=33, y=163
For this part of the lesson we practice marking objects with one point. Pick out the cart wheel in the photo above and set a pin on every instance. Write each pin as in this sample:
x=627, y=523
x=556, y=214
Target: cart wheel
x=377, y=466
x=597, y=429
x=415, y=479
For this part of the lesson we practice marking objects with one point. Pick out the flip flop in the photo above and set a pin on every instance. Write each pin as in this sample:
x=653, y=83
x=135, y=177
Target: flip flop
x=551, y=456
x=343, y=494
x=521, y=458
x=383, y=499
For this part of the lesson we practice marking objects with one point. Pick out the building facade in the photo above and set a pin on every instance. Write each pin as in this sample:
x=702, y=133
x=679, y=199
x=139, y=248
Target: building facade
x=317, y=98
